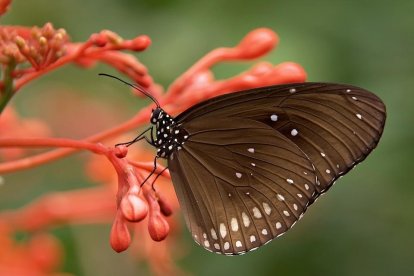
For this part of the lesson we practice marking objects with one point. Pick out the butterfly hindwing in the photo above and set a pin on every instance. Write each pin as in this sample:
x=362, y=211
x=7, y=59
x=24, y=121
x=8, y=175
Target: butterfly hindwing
x=240, y=183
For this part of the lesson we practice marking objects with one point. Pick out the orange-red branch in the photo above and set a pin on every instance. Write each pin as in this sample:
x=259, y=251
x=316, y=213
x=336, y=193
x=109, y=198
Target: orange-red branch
x=51, y=142
x=36, y=160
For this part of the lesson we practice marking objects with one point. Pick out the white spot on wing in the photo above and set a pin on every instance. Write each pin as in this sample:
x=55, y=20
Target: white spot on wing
x=239, y=175
x=294, y=132
x=217, y=246
x=246, y=220
x=256, y=212
x=234, y=224
x=359, y=116
x=252, y=238
x=323, y=154
x=213, y=234
x=238, y=244
x=250, y=150
x=226, y=245
x=292, y=90
x=273, y=117
x=328, y=171
x=290, y=181
x=223, y=230
x=286, y=213
x=280, y=197
x=278, y=225
x=264, y=231
x=267, y=208
x=206, y=244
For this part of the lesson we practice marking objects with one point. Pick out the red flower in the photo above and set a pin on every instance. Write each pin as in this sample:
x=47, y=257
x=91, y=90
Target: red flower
x=138, y=208
x=12, y=126
x=40, y=255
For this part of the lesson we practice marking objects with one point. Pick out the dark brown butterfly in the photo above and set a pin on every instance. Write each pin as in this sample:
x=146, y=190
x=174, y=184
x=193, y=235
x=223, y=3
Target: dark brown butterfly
x=246, y=165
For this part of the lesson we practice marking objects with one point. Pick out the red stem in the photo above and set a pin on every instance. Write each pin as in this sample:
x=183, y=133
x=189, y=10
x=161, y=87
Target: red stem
x=36, y=160
x=51, y=142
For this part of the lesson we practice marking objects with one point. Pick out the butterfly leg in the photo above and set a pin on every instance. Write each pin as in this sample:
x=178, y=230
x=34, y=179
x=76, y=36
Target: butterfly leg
x=152, y=172
x=156, y=177
x=138, y=138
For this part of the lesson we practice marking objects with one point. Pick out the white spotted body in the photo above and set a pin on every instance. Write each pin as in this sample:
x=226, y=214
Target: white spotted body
x=169, y=135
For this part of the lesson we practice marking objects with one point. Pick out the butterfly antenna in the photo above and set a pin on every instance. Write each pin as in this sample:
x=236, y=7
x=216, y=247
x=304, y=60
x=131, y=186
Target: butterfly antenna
x=135, y=86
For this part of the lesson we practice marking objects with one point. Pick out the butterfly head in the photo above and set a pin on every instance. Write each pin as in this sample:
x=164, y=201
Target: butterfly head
x=156, y=115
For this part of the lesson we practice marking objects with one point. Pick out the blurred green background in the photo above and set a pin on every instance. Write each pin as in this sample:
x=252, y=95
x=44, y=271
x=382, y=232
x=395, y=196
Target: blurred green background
x=364, y=226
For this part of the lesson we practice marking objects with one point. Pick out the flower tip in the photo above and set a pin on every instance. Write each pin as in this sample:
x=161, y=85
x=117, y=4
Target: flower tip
x=165, y=207
x=99, y=40
x=158, y=227
x=4, y=6
x=46, y=251
x=133, y=208
x=258, y=42
x=120, y=237
x=291, y=72
x=20, y=42
x=141, y=43
x=121, y=151
x=48, y=30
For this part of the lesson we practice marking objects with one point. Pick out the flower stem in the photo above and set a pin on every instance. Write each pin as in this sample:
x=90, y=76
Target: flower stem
x=8, y=91
x=51, y=142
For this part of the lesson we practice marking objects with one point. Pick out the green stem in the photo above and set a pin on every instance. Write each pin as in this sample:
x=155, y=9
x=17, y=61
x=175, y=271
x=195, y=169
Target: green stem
x=8, y=89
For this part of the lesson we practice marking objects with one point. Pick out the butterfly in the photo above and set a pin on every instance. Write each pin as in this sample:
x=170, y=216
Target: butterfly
x=246, y=165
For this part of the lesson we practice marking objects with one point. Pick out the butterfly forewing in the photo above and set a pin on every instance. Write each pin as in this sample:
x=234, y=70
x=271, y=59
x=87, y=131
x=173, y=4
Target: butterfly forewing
x=254, y=160
x=335, y=125
x=248, y=182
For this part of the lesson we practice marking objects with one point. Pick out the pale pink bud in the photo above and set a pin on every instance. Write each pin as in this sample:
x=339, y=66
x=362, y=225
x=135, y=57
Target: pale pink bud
x=133, y=208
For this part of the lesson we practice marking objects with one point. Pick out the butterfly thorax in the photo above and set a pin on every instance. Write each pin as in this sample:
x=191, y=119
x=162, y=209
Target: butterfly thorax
x=169, y=135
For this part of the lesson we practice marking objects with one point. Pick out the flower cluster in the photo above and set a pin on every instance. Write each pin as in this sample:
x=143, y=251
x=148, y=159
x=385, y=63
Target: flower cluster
x=28, y=53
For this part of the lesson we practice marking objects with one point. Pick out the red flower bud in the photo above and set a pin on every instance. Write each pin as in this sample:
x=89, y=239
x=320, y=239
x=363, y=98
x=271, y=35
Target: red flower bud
x=121, y=151
x=120, y=236
x=158, y=226
x=4, y=6
x=289, y=72
x=140, y=43
x=165, y=207
x=99, y=40
x=133, y=208
x=257, y=43
x=45, y=251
